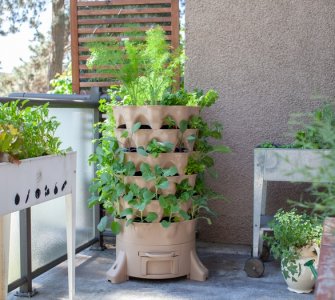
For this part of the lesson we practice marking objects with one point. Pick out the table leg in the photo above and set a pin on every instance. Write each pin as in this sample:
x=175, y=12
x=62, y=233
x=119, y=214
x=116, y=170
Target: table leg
x=71, y=241
x=4, y=254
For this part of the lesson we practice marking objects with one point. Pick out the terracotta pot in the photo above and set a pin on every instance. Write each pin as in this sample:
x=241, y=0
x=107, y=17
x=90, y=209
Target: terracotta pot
x=152, y=115
x=151, y=251
x=305, y=280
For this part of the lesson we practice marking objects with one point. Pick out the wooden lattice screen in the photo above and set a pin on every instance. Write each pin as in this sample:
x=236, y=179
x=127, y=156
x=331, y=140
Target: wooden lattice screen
x=93, y=21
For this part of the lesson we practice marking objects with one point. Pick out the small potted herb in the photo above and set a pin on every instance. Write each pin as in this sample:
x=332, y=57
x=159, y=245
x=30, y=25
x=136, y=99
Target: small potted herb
x=296, y=241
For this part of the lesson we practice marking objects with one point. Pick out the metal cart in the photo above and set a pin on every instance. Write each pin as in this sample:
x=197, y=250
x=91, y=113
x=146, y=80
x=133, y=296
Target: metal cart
x=277, y=165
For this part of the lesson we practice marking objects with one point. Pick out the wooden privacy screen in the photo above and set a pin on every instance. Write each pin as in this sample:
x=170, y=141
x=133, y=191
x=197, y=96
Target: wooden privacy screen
x=93, y=21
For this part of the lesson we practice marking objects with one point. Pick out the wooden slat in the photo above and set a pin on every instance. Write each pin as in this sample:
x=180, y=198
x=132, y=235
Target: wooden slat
x=107, y=39
x=124, y=20
x=84, y=67
x=74, y=47
x=117, y=29
x=99, y=84
x=122, y=2
x=96, y=75
x=134, y=11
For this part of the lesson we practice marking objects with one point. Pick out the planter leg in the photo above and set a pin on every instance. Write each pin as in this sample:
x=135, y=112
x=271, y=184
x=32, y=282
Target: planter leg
x=4, y=254
x=198, y=271
x=71, y=242
x=118, y=272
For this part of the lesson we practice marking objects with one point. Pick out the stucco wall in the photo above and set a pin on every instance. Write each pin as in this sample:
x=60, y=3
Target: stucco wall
x=267, y=59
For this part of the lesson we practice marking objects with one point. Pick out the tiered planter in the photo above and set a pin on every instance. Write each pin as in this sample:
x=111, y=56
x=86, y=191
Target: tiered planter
x=147, y=250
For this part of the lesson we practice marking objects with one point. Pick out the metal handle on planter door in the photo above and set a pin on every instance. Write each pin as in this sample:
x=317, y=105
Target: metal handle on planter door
x=159, y=254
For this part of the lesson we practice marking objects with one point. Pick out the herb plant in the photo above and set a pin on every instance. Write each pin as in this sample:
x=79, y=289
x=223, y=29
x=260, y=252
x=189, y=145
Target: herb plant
x=27, y=131
x=291, y=232
x=145, y=70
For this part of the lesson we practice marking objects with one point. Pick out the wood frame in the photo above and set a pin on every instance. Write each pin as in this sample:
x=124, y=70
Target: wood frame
x=92, y=20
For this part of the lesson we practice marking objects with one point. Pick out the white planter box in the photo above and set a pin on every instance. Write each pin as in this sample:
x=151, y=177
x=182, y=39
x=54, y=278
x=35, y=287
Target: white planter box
x=32, y=182
x=281, y=165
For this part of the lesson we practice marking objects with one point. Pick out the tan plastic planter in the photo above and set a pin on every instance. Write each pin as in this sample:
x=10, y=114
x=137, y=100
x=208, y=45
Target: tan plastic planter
x=155, y=207
x=172, y=182
x=142, y=137
x=152, y=115
x=165, y=160
x=153, y=252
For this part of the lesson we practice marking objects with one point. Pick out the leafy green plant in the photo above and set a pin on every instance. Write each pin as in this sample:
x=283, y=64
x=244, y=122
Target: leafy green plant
x=28, y=131
x=146, y=69
x=315, y=130
x=291, y=232
x=155, y=147
x=195, y=98
x=62, y=83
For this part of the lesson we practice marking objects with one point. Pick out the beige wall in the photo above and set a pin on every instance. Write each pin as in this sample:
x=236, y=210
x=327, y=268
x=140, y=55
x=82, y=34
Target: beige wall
x=267, y=59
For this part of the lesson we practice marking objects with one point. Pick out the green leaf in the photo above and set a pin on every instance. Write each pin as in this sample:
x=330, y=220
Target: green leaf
x=152, y=216
x=163, y=184
x=126, y=212
x=184, y=214
x=165, y=224
x=136, y=127
x=148, y=195
x=116, y=227
x=170, y=171
x=102, y=224
x=124, y=134
x=94, y=200
x=128, y=197
x=141, y=151
x=129, y=221
x=191, y=138
x=183, y=125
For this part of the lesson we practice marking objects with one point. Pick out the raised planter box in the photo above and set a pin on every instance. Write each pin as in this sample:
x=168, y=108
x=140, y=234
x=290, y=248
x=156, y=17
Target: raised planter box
x=32, y=182
x=281, y=165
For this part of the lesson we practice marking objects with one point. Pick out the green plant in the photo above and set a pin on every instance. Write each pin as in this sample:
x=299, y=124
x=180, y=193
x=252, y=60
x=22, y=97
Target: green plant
x=155, y=147
x=315, y=130
x=146, y=69
x=318, y=132
x=196, y=98
x=62, y=83
x=291, y=232
x=27, y=131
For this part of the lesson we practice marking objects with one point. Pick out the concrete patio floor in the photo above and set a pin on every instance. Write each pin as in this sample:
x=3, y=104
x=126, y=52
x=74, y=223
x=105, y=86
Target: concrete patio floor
x=227, y=280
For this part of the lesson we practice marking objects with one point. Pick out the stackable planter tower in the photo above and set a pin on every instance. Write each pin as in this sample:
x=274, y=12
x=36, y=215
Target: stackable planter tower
x=148, y=250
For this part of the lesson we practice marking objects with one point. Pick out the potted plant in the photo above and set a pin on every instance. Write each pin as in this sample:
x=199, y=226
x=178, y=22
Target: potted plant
x=151, y=158
x=296, y=241
x=32, y=170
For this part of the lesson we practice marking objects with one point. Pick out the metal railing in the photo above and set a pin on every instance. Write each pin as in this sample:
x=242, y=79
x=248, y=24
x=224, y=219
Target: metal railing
x=26, y=273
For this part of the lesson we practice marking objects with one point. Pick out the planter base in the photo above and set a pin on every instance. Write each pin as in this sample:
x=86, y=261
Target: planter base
x=153, y=252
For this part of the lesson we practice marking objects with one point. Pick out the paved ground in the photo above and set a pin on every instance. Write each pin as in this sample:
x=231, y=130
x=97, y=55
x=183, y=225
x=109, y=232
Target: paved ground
x=227, y=280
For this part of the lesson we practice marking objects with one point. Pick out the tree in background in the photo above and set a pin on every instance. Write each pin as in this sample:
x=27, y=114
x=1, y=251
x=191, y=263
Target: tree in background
x=14, y=13
x=30, y=76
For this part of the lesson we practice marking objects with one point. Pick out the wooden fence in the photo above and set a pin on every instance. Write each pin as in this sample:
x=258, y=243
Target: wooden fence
x=93, y=21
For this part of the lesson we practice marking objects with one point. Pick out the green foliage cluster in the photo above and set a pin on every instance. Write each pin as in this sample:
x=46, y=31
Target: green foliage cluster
x=196, y=98
x=318, y=132
x=109, y=189
x=291, y=232
x=27, y=131
x=316, y=129
x=61, y=84
x=145, y=70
